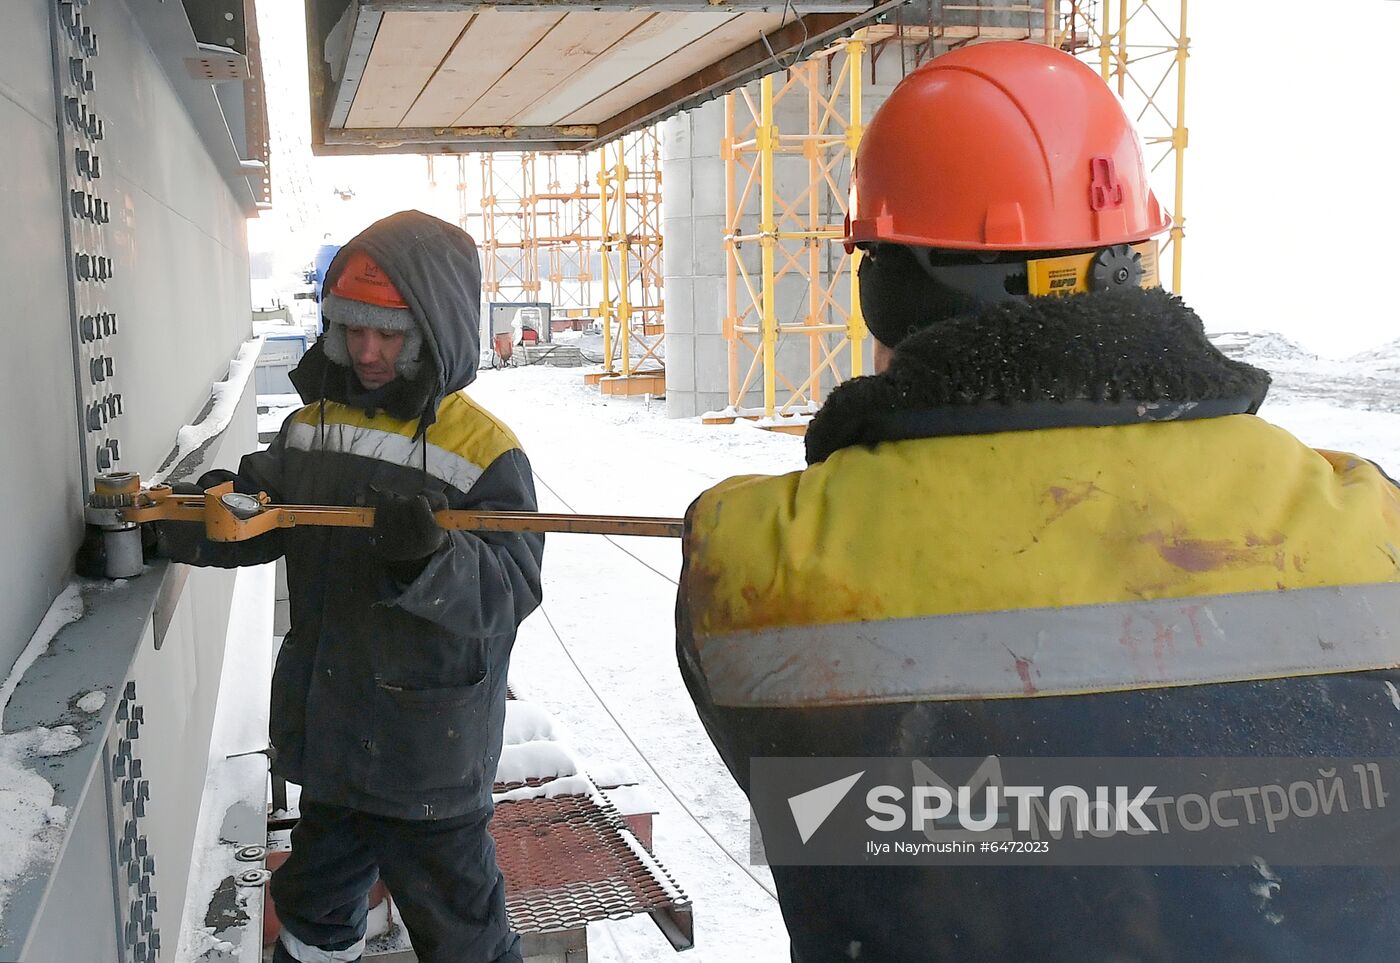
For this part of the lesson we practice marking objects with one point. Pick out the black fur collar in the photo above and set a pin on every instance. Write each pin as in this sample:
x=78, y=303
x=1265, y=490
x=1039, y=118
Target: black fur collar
x=1088, y=359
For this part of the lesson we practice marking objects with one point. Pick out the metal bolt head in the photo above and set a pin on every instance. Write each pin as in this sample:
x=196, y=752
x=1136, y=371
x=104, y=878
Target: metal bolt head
x=250, y=854
x=253, y=877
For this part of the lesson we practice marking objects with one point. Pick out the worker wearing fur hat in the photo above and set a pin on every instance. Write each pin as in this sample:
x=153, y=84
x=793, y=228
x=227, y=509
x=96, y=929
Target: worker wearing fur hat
x=388, y=700
x=1051, y=525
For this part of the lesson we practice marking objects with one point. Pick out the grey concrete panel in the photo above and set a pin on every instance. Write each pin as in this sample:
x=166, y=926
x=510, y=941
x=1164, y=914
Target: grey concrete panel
x=40, y=478
x=179, y=242
x=707, y=183
x=680, y=311
x=676, y=187
x=176, y=687
x=710, y=305
x=677, y=252
x=707, y=129
x=26, y=65
x=710, y=255
x=84, y=879
x=675, y=138
x=680, y=365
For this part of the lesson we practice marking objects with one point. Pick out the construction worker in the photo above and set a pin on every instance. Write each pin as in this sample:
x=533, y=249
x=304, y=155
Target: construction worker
x=1049, y=526
x=389, y=695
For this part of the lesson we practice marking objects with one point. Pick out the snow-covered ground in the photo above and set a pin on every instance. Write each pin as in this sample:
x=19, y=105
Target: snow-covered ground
x=601, y=655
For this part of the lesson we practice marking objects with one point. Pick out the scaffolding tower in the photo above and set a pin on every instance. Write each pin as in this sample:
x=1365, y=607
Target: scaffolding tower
x=568, y=232
x=786, y=194
x=632, y=305
x=510, y=269
x=554, y=223
x=801, y=285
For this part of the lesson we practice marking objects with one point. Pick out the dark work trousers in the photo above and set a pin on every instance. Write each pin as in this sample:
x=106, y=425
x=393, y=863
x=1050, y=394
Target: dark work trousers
x=441, y=873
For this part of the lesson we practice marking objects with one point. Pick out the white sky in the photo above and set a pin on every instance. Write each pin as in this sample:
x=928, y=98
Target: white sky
x=1292, y=185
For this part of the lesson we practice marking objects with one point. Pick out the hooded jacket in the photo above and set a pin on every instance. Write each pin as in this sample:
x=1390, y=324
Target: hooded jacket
x=1054, y=529
x=389, y=695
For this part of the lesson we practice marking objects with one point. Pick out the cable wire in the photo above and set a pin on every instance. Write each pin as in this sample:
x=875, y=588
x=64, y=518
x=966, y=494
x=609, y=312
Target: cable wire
x=643, y=562
x=638, y=749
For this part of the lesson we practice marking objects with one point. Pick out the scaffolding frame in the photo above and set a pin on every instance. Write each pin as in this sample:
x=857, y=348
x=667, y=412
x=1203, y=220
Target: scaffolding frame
x=632, y=307
x=554, y=222
x=1140, y=50
x=799, y=236
x=567, y=232
x=509, y=235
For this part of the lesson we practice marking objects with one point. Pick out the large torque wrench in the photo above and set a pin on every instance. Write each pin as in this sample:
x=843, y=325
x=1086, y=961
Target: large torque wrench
x=119, y=505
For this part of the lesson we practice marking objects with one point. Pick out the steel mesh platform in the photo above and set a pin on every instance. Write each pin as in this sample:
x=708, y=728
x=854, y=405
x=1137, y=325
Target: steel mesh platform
x=571, y=860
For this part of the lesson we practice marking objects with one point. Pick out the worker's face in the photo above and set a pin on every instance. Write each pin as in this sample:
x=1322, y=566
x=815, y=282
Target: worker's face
x=373, y=353
x=881, y=356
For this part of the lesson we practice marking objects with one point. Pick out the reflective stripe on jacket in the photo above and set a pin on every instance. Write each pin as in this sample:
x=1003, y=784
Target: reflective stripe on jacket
x=1196, y=588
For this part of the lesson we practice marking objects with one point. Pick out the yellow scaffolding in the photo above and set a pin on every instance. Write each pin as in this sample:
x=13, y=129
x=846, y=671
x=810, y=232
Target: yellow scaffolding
x=1141, y=47
x=632, y=305
x=509, y=240
x=549, y=219
x=798, y=235
x=568, y=232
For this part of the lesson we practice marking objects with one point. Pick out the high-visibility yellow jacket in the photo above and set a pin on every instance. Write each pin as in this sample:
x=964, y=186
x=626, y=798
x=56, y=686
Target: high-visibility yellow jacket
x=1207, y=587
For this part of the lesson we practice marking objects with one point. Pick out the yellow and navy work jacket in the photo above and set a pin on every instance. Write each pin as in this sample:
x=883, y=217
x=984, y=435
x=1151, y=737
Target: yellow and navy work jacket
x=1197, y=588
x=389, y=697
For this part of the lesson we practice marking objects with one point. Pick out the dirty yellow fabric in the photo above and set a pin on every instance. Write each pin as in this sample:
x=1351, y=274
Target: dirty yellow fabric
x=1033, y=519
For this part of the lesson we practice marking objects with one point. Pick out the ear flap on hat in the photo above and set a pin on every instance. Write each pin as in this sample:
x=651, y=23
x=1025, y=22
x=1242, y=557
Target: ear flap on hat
x=341, y=312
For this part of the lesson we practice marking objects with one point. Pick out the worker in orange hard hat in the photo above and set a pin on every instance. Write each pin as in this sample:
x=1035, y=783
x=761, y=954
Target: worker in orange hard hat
x=388, y=700
x=1050, y=528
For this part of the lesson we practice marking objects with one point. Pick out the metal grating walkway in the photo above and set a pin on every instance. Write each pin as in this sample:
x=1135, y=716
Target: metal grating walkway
x=571, y=860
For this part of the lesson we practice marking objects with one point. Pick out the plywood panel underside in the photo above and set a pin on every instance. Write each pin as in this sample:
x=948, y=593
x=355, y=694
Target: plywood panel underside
x=536, y=67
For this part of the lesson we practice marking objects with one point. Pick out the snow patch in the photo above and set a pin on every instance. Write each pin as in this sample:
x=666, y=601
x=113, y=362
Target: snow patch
x=378, y=921
x=567, y=786
x=1265, y=889
x=1385, y=357
x=92, y=702
x=526, y=722
x=1394, y=694
x=225, y=394
x=67, y=608
x=540, y=759
x=31, y=826
x=201, y=940
x=632, y=800
x=1260, y=346
x=611, y=773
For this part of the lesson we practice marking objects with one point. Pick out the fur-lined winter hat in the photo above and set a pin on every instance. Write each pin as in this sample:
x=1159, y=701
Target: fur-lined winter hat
x=363, y=296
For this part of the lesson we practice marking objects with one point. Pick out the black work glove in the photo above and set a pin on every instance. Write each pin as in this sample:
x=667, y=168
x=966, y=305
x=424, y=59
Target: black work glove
x=404, y=528
x=207, y=481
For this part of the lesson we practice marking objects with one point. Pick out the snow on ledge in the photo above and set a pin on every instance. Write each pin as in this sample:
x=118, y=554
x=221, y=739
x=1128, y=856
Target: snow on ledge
x=225, y=395
x=30, y=824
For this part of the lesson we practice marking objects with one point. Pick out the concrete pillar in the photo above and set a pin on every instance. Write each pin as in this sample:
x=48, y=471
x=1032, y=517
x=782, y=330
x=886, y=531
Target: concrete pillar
x=692, y=205
x=693, y=226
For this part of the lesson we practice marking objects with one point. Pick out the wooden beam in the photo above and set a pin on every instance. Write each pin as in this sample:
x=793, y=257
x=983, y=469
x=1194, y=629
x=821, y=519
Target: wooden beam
x=734, y=34
x=796, y=8
x=408, y=48
x=652, y=42
x=569, y=47
x=795, y=40
x=487, y=49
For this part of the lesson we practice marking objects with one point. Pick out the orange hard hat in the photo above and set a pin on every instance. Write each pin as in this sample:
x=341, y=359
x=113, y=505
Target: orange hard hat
x=1008, y=146
x=363, y=280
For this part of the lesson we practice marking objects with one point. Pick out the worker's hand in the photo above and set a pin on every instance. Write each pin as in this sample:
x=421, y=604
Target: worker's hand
x=404, y=527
